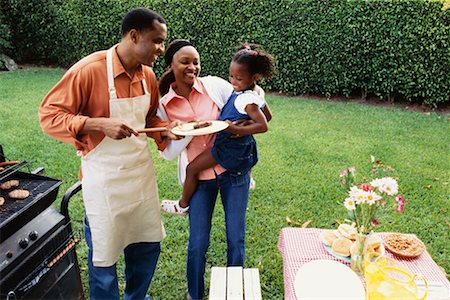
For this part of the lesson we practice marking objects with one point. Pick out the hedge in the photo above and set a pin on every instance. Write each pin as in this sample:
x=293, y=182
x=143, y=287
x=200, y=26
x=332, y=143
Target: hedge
x=392, y=49
x=5, y=38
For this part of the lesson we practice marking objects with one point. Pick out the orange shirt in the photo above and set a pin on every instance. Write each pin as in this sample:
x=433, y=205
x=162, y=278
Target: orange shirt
x=199, y=107
x=83, y=92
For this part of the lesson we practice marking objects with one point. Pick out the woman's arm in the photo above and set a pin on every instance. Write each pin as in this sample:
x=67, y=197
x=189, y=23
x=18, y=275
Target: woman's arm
x=174, y=147
x=259, y=124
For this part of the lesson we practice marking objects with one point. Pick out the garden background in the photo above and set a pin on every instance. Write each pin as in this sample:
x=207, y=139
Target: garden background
x=391, y=50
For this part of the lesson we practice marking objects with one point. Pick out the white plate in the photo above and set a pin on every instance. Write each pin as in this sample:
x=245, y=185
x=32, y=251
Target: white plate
x=327, y=279
x=188, y=128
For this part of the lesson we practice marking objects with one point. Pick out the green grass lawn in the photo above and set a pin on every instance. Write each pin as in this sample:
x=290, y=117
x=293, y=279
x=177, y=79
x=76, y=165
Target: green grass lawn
x=308, y=143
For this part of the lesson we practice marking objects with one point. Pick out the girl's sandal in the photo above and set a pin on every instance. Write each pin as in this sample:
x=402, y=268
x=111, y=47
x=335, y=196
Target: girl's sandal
x=173, y=207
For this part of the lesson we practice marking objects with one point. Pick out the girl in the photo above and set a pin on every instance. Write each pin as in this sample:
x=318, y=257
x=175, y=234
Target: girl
x=235, y=148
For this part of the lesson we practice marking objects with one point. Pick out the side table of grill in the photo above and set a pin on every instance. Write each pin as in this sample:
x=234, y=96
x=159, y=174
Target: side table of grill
x=37, y=256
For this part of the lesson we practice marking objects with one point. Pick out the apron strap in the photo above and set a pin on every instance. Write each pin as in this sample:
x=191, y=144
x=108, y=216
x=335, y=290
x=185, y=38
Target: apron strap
x=109, y=69
x=144, y=85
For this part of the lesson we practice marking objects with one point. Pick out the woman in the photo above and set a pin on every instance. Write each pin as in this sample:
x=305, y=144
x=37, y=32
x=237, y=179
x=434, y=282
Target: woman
x=189, y=97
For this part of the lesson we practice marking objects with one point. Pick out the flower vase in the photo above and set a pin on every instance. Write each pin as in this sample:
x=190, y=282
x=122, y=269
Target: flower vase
x=357, y=256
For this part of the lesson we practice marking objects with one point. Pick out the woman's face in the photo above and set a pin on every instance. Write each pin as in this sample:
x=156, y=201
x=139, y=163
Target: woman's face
x=240, y=77
x=186, y=65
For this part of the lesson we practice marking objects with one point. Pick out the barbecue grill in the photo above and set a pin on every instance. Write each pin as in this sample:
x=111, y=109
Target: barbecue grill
x=37, y=247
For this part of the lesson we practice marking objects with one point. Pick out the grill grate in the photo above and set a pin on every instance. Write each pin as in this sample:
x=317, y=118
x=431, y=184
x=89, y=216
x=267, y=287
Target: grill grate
x=37, y=189
x=15, y=213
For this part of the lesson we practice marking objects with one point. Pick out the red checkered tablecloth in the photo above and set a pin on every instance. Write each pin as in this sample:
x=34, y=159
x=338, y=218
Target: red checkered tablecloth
x=301, y=245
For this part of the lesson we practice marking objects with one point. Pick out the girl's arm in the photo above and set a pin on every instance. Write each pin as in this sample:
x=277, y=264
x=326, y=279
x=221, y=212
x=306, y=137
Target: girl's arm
x=267, y=112
x=266, y=109
x=259, y=124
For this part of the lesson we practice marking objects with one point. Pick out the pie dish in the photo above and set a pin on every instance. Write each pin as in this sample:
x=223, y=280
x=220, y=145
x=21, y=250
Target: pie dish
x=199, y=128
x=404, y=245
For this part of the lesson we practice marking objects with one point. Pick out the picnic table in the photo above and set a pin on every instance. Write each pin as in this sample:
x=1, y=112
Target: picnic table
x=301, y=245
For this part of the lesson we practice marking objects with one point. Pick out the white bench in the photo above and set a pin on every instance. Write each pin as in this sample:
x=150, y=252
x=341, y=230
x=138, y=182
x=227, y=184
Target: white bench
x=234, y=283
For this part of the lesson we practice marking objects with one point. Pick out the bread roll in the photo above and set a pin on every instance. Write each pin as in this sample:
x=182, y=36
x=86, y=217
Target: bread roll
x=373, y=244
x=342, y=246
x=2, y=200
x=347, y=231
x=328, y=236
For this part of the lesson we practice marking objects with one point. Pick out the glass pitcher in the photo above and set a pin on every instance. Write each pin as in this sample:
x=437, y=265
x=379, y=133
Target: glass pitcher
x=386, y=279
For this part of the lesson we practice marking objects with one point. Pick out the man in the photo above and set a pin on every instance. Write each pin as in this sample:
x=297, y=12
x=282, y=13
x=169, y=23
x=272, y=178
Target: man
x=98, y=106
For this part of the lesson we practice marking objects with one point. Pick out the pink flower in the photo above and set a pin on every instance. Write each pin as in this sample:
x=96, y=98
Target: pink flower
x=343, y=173
x=366, y=188
x=352, y=169
x=401, y=203
x=374, y=222
x=400, y=199
x=344, y=182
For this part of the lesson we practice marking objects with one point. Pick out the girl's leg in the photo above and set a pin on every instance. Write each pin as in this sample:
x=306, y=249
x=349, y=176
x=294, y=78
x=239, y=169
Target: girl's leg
x=202, y=162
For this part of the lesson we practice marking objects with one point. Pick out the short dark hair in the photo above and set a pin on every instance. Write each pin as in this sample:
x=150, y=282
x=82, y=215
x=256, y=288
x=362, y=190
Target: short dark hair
x=140, y=18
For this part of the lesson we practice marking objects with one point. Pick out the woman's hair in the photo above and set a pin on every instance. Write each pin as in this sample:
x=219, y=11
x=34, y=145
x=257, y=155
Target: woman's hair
x=140, y=18
x=256, y=59
x=168, y=78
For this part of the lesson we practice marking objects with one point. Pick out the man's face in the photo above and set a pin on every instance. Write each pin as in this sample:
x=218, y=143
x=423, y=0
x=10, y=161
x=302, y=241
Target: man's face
x=149, y=44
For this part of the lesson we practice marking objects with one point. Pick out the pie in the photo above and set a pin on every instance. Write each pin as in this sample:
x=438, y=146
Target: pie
x=404, y=245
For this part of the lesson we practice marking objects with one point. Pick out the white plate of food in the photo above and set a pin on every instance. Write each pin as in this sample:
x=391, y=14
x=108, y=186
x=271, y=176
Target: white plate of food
x=199, y=128
x=341, y=244
x=343, y=258
x=327, y=279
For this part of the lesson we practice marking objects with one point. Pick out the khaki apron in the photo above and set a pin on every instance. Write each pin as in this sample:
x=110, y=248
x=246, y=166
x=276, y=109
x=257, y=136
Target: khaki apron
x=119, y=184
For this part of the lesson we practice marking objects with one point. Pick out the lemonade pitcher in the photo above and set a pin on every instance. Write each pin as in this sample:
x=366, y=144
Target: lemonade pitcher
x=386, y=279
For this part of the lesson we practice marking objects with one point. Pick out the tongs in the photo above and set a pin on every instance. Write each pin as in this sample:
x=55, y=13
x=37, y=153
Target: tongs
x=153, y=129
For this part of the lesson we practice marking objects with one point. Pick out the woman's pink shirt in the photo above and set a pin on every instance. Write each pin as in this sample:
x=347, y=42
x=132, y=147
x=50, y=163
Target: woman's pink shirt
x=200, y=107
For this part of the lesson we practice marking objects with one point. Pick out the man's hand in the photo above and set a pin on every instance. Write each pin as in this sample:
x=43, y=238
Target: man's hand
x=111, y=127
x=118, y=129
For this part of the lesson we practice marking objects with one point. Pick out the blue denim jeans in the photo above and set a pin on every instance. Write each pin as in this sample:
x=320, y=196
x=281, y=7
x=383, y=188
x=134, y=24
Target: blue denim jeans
x=234, y=191
x=140, y=265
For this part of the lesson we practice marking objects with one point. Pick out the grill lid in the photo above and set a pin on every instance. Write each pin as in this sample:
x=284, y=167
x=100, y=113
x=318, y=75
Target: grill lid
x=9, y=170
